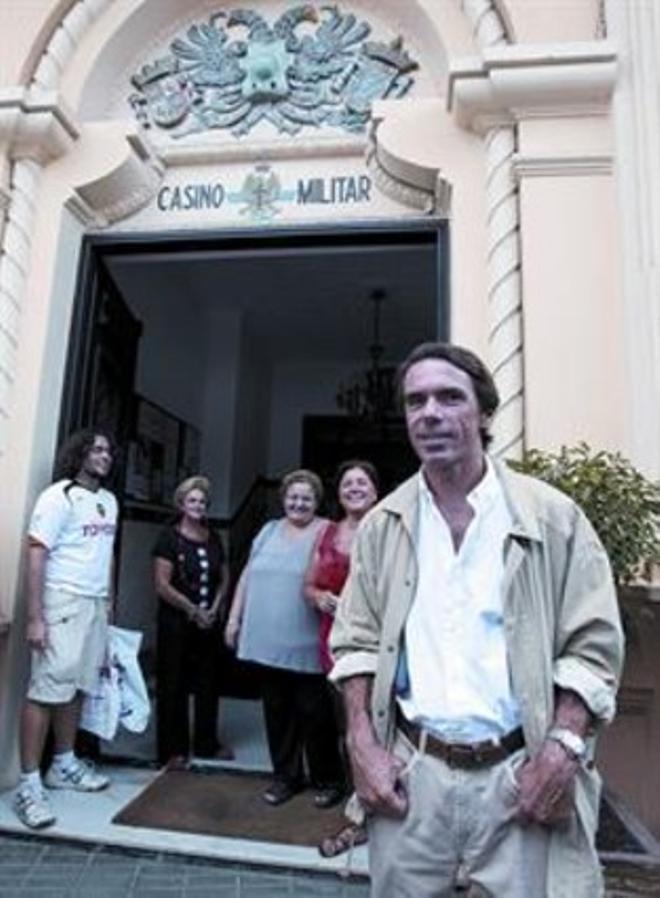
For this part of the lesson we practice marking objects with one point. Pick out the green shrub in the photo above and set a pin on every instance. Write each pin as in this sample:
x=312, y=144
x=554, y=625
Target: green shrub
x=622, y=505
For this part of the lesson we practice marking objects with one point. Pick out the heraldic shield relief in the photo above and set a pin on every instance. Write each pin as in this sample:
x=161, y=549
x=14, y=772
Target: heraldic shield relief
x=312, y=67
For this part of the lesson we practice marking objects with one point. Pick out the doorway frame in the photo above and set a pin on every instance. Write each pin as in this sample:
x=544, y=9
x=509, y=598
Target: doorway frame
x=97, y=246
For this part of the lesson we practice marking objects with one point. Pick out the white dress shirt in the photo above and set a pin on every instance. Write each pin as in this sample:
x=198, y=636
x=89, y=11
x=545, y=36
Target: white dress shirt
x=460, y=687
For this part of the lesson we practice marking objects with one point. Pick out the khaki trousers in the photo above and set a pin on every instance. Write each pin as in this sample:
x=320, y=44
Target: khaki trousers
x=459, y=829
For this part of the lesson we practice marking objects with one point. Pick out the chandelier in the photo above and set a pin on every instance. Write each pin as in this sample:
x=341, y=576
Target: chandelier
x=371, y=395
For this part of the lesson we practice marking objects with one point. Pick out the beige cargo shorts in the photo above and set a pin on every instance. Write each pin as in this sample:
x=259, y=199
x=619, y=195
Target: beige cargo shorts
x=77, y=634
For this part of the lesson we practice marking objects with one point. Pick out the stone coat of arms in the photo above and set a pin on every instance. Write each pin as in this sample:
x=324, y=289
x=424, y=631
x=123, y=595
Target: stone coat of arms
x=309, y=68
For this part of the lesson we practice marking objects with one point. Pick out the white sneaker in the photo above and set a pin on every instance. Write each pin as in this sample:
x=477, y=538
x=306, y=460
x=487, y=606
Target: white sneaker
x=33, y=808
x=79, y=776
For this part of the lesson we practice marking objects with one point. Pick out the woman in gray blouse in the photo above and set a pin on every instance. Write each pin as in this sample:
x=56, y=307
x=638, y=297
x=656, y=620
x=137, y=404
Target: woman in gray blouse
x=271, y=624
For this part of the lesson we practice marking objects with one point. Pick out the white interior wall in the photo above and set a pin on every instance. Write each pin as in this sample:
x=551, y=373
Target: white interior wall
x=251, y=430
x=170, y=366
x=189, y=362
x=136, y=599
x=219, y=387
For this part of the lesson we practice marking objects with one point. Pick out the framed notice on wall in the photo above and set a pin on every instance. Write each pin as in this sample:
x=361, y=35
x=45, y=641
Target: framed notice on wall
x=162, y=451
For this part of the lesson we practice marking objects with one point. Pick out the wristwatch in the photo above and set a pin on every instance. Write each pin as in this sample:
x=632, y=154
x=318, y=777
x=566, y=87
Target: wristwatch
x=574, y=745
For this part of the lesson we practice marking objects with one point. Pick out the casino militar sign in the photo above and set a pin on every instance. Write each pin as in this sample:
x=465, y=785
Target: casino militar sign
x=264, y=194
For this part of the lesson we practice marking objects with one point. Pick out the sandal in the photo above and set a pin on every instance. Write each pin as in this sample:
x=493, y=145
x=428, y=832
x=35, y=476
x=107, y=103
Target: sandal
x=347, y=837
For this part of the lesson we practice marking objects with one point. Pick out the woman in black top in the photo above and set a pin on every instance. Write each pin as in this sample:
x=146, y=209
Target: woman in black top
x=190, y=576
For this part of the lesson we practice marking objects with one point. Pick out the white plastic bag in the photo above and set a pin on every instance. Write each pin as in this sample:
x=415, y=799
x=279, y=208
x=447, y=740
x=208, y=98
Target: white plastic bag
x=134, y=700
x=101, y=708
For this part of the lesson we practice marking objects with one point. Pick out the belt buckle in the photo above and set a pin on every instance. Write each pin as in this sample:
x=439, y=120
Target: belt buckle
x=461, y=756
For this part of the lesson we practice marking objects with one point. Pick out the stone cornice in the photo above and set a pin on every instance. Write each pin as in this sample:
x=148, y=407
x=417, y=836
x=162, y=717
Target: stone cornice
x=200, y=151
x=507, y=84
x=398, y=190
x=34, y=124
x=412, y=183
x=526, y=166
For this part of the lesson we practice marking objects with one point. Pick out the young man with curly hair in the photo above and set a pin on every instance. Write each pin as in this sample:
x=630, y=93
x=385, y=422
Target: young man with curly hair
x=69, y=587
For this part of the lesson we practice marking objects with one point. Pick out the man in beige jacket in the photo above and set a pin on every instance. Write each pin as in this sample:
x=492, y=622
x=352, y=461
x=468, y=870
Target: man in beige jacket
x=478, y=646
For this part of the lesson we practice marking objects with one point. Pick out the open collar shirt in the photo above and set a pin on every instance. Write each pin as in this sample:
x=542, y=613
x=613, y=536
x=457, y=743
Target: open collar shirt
x=458, y=670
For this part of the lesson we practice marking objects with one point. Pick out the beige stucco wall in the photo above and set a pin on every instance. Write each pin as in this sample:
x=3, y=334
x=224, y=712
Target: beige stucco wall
x=26, y=28
x=27, y=25
x=125, y=28
x=544, y=21
x=567, y=221
x=578, y=372
x=575, y=372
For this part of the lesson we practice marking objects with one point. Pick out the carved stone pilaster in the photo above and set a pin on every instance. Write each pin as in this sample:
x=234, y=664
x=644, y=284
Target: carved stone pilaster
x=489, y=94
x=14, y=267
x=505, y=337
x=5, y=199
x=35, y=129
x=488, y=27
x=505, y=333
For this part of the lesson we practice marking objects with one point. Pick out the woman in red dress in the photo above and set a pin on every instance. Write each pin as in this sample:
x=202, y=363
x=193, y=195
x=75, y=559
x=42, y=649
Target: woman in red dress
x=357, y=492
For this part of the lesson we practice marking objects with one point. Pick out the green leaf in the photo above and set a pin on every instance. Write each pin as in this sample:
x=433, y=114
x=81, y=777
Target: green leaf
x=622, y=505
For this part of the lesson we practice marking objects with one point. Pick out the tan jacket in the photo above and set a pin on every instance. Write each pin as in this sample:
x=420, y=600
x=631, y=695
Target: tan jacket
x=561, y=622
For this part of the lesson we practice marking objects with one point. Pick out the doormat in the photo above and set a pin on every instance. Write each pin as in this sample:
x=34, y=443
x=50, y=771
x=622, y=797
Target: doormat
x=229, y=804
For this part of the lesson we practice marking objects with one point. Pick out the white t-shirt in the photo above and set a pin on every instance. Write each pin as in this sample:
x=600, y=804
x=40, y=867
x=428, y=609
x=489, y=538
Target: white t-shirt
x=78, y=528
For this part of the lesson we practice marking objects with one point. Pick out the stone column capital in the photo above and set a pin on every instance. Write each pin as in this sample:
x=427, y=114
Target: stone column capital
x=509, y=83
x=35, y=124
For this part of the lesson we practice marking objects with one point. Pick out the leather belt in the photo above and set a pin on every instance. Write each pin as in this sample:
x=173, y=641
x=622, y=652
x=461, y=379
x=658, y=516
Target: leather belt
x=466, y=756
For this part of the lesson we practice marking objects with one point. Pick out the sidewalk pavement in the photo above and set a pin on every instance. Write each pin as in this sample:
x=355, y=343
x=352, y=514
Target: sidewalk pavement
x=33, y=867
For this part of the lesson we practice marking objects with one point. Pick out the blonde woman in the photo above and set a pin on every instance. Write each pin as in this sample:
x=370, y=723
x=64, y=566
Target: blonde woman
x=190, y=576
